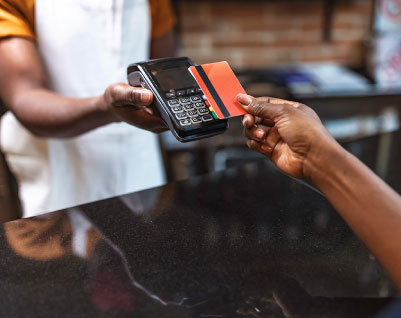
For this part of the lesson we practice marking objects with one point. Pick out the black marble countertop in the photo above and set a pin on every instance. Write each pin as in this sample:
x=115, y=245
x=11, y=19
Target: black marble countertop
x=246, y=242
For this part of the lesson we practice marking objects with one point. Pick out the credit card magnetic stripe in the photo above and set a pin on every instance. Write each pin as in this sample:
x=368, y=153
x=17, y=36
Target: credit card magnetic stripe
x=212, y=90
x=221, y=86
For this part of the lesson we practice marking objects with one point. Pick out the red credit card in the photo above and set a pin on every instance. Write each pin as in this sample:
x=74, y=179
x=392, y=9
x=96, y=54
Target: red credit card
x=220, y=85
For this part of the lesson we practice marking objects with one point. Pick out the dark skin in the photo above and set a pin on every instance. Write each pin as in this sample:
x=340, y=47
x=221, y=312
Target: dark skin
x=24, y=91
x=293, y=137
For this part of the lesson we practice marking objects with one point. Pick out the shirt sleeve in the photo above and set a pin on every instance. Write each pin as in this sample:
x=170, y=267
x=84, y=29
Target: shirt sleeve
x=163, y=18
x=17, y=18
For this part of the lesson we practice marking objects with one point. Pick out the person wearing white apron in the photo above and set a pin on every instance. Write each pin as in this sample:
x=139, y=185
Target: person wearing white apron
x=83, y=46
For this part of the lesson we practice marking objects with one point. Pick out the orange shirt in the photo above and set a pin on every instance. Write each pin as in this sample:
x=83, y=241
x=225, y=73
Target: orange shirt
x=17, y=18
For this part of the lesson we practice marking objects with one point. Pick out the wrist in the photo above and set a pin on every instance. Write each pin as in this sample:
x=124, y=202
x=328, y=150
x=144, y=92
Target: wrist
x=322, y=161
x=105, y=110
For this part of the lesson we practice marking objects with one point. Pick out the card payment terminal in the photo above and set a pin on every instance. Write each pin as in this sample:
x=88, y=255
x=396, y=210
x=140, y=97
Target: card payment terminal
x=178, y=98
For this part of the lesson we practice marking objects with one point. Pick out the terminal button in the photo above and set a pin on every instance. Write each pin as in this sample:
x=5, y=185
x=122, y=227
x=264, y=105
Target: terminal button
x=170, y=95
x=195, y=99
x=199, y=105
x=203, y=111
x=207, y=117
x=185, y=122
x=177, y=109
x=173, y=103
x=181, y=92
x=188, y=107
x=181, y=115
x=196, y=120
x=192, y=113
x=185, y=100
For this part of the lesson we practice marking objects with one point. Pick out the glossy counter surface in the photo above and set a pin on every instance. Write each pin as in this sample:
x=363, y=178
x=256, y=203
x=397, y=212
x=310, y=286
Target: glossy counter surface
x=247, y=242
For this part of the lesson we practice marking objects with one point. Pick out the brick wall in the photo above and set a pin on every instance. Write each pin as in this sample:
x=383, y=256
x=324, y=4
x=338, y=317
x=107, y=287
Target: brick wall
x=251, y=34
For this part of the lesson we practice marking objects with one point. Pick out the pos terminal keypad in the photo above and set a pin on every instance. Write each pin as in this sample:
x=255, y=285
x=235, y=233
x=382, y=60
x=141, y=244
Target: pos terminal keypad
x=189, y=106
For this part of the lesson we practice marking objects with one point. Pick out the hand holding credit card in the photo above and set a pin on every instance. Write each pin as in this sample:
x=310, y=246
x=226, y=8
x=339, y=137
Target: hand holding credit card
x=221, y=87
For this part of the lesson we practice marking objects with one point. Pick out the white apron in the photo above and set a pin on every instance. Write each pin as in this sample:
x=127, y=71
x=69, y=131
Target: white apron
x=85, y=46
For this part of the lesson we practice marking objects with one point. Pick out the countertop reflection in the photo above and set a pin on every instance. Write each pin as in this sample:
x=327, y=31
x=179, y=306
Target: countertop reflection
x=247, y=242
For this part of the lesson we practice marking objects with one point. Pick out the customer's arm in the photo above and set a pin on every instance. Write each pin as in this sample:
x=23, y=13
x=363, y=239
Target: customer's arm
x=23, y=89
x=293, y=137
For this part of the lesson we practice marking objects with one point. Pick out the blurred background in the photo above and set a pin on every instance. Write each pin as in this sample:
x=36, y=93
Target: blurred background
x=341, y=57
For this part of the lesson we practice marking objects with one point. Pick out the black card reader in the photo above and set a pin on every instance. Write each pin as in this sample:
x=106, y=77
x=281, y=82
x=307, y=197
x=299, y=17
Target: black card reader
x=177, y=97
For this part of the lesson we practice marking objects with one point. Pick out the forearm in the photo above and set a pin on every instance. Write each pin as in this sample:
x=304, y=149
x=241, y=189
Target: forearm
x=23, y=90
x=47, y=114
x=370, y=207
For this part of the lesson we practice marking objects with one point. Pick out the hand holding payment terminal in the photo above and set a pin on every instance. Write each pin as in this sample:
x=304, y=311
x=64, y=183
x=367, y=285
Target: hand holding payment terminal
x=178, y=97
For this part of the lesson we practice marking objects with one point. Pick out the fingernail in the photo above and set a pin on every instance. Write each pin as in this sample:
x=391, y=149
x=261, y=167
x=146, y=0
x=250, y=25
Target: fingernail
x=243, y=99
x=244, y=122
x=260, y=133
